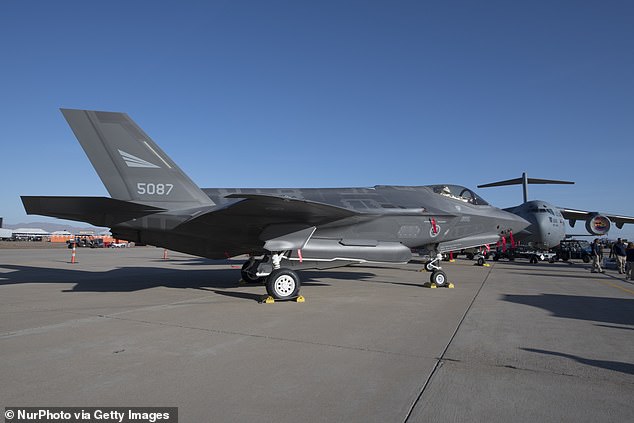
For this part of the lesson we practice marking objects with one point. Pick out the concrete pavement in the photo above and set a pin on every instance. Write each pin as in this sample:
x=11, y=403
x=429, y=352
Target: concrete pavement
x=122, y=327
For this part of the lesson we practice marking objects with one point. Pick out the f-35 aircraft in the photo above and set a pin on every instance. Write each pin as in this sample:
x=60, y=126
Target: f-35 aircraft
x=547, y=227
x=284, y=230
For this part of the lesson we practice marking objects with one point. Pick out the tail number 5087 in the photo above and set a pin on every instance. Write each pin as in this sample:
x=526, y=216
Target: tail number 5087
x=150, y=188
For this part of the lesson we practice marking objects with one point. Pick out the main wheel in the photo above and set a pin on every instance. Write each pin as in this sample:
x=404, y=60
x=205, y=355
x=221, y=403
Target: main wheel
x=283, y=284
x=247, y=276
x=439, y=278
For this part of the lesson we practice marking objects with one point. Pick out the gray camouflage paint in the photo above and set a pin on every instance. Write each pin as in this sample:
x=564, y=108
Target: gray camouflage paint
x=154, y=202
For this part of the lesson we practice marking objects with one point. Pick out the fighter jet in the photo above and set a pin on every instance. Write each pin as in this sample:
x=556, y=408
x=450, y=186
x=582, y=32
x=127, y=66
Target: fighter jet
x=283, y=230
x=547, y=227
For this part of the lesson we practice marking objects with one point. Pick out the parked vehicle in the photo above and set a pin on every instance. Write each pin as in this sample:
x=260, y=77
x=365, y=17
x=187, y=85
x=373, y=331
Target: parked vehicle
x=573, y=249
x=522, y=251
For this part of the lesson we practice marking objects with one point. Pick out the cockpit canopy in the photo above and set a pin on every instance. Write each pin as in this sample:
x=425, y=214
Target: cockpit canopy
x=542, y=209
x=458, y=192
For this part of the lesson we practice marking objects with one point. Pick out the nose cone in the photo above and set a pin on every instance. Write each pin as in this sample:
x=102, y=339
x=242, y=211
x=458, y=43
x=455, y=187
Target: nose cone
x=510, y=222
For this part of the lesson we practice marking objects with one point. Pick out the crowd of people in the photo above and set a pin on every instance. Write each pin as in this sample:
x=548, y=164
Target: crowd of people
x=622, y=253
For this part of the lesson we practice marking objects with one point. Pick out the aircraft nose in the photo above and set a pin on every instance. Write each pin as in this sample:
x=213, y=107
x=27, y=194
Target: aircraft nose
x=512, y=223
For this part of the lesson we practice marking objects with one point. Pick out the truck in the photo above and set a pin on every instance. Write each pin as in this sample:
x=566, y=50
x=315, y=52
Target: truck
x=573, y=249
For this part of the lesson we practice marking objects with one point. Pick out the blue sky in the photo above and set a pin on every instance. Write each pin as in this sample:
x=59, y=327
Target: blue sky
x=329, y=93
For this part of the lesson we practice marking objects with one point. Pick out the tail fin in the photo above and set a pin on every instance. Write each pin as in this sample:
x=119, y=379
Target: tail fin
x=129, y=163
x=524, y=181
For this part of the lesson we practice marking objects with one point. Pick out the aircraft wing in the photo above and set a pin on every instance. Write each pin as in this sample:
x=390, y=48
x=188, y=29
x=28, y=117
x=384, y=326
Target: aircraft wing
x=618, y=220
x=257, y=219
x=98, y=211
x=270, y=206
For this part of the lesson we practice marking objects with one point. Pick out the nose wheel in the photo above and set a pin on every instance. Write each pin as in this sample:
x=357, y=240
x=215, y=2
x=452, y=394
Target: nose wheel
x=439, y=278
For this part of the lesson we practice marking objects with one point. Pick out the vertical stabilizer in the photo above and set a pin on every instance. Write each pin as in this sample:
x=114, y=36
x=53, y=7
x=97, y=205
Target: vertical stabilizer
x=129, y=163
x=525, y=186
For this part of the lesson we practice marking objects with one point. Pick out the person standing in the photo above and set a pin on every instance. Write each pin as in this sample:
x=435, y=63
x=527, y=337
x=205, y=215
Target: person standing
x=629, y=268
x=620, y=255
x=597, y=256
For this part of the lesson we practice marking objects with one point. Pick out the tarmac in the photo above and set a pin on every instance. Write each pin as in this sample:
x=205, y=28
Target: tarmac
x=126, y=328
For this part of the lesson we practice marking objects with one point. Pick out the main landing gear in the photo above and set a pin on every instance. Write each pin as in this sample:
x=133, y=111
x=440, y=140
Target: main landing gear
x=438, y=277
x=281, y=283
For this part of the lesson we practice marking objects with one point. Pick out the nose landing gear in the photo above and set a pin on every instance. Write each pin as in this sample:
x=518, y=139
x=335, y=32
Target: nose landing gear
x=438, y=278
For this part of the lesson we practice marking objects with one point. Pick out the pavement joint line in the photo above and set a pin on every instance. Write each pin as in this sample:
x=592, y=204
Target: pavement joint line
x=266, y=337
x=40, y=329
x=88, y=317
x=115, y=316
x=440, y=360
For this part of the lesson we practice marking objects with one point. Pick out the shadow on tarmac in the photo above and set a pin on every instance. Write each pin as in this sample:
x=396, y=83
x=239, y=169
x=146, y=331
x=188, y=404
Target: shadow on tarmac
x=130, y=279
x=597, y=309
x=616, y=327
x=557, y=275
x=198, y=261
x=617, y=366
x=542, y=264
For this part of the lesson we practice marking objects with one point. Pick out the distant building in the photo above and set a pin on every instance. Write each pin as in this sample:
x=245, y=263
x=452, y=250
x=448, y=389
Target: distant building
x=5, y=233
x=61, y=236
x=30, y=234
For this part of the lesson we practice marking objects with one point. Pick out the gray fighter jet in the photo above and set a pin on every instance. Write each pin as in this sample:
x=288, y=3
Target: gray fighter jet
x=283, y=230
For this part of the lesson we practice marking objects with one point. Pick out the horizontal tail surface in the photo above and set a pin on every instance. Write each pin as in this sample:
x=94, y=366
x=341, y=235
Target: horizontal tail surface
x=98, y=211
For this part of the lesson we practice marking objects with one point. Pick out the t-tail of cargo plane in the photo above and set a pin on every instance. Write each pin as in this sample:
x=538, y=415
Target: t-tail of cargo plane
x=153, y=202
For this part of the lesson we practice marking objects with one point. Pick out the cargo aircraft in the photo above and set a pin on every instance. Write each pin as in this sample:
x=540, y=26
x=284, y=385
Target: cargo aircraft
x=547, y=227
x=283, y=230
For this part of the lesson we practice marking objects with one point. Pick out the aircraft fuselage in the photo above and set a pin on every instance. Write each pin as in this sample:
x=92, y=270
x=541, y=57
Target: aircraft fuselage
x=547, y=226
